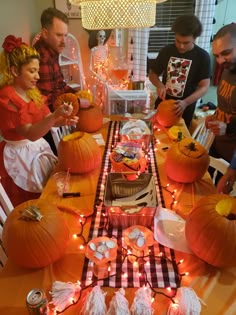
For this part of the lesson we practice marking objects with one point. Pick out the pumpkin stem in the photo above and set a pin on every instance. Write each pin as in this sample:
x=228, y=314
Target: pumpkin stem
x=191, y=146
x=30, y=213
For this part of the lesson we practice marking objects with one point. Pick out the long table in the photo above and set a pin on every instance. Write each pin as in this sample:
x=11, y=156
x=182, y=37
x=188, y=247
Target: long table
x=215, y=287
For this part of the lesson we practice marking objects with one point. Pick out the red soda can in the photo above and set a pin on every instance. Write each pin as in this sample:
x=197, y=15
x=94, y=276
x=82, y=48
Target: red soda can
x=37, y=303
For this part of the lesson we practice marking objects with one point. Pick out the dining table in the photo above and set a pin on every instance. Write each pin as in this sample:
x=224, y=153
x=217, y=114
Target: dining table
x=216, y=288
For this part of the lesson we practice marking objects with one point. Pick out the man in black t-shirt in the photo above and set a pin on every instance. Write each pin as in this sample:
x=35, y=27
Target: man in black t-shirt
x=184, y=67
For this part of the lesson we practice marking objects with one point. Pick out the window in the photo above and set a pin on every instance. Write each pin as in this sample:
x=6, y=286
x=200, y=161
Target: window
x=166, y=13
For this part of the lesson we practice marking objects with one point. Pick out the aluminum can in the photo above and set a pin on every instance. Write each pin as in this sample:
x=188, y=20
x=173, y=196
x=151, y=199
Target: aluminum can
x=37, y=303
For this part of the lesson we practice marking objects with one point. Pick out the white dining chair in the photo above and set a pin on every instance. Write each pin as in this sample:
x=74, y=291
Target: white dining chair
x=203, y=135
x=219, y=165
x=5, y=208
x=59, y=132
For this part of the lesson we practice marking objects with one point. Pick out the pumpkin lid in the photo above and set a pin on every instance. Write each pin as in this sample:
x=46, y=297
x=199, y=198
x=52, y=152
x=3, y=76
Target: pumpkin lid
x=191, y=148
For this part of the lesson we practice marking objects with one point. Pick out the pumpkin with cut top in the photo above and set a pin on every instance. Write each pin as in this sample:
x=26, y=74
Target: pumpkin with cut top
x=186, y=161
x=79, y=152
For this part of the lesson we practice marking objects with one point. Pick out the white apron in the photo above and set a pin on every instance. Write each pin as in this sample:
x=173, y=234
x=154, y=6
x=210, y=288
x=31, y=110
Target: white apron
x=29, y=163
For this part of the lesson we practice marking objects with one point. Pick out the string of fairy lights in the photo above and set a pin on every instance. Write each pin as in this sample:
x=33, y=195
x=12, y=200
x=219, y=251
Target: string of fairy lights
x=138, y=264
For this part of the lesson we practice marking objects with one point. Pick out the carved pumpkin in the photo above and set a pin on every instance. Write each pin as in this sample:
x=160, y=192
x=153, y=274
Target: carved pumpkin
x=186, y=161
x=35, y=234
x=67, y=98
x=165, y=114
x=211, y=230
x=90, y=118
x=79, y=152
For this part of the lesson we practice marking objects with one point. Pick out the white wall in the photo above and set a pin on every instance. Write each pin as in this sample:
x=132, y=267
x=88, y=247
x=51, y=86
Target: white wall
x=22, y=19
x=225, y=13
x=17, y=17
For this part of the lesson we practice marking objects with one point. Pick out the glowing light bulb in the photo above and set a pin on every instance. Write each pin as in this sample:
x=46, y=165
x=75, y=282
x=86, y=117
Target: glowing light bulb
x=135, y=264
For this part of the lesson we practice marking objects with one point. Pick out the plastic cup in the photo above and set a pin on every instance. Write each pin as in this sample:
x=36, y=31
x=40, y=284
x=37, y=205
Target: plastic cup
x=62, y=180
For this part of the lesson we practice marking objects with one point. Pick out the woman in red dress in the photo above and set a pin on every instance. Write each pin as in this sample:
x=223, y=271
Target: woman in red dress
x=26, y=158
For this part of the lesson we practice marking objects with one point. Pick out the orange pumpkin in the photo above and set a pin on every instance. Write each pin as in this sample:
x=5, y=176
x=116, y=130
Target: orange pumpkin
x=90, y=118
x=67, y=98
x=35, y=234
x=165, y=114
x=211, y=235
x=79, y=152
x=186, y=161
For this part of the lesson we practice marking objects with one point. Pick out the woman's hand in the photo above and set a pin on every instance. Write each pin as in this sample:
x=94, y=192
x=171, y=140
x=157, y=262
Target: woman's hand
x=64, y=110
x=62, y=116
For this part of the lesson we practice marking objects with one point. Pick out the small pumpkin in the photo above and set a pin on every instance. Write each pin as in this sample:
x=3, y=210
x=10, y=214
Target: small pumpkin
x=35, y=234
x=90, y=118
x=165, y=115
x=85, y=94
x=79, y=152
x=175, y=132
x=186, y=161
x=211, y=230
x=68, y=98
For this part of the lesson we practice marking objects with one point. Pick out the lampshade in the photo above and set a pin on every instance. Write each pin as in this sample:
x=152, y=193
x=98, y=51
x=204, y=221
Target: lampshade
x=108, y=14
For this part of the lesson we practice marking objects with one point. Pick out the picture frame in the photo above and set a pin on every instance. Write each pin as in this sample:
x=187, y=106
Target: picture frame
x=71, y=11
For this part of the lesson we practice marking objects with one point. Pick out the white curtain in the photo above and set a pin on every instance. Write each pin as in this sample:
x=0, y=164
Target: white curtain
x=205, y=11
x=137, y=52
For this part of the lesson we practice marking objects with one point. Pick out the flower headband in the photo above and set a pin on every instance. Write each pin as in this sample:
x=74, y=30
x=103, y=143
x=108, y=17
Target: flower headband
x=11, y=42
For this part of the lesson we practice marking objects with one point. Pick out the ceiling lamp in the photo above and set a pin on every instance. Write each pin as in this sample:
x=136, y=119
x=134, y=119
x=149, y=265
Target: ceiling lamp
x=109, y=14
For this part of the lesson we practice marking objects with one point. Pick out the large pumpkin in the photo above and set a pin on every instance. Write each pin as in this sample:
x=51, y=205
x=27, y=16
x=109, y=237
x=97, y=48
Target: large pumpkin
x=67, y=98
x=35, y=234
x=186, y=161
x=79, y=152
x=90, y=118
x=165, y=114
x=211, y=230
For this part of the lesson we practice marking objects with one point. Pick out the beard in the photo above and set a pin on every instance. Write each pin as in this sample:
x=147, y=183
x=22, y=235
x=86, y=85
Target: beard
x=231, y=66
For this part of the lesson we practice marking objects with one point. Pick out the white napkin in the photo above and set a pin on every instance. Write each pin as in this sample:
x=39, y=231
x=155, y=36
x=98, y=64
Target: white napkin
x=169, y=230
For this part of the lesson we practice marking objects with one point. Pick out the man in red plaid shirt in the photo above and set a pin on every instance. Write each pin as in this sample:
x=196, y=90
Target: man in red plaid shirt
x=50, y=44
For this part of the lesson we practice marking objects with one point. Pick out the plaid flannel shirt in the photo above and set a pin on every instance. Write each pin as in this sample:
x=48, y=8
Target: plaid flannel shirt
x=51, y=82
